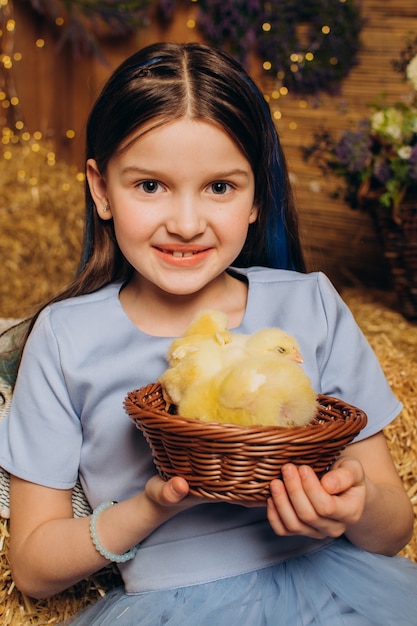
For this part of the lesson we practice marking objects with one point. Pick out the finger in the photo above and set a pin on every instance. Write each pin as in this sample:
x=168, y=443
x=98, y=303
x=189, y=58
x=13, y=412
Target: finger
x=341, y=508
x=313, y=506
x=167, y=493
x=282, y=516
x=346, y=474
x=298, y=482
x=322, y=502
x=175, y=490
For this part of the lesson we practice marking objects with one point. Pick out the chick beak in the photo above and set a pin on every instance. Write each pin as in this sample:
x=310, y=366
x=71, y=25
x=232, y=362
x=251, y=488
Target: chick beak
x=296, y=356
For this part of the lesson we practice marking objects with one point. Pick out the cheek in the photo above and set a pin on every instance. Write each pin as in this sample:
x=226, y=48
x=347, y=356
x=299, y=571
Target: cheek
x=128, y=229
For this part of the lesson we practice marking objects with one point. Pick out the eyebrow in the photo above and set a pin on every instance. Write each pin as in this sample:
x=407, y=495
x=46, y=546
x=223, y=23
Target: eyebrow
x=134, y=169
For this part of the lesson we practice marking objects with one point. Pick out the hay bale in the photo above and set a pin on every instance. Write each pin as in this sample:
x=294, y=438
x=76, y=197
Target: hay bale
x=41, y=218
x=394, y=341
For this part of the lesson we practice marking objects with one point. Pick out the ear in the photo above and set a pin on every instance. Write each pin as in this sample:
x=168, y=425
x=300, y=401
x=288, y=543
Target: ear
x=98, y=190
x=253, y=215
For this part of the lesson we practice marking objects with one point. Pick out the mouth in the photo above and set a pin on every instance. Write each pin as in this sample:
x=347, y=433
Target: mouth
x=182, y=257
x=181, y=254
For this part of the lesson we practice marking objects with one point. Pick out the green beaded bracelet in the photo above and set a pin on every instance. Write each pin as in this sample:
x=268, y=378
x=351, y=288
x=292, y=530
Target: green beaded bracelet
x=110, y=556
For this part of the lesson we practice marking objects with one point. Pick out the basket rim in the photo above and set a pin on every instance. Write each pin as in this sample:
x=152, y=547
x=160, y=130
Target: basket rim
x=352, y=416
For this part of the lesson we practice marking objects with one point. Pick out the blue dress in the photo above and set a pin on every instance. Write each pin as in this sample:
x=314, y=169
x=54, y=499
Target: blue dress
x=339, y=585
x=216, y=563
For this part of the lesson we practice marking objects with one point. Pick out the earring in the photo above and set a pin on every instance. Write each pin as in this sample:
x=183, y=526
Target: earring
x=106, y=207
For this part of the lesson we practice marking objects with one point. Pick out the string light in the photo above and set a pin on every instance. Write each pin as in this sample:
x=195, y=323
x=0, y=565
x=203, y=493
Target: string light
x=10, y=102
x=15, y=131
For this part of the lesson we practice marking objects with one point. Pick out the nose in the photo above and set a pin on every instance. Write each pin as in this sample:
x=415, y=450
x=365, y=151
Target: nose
x=186, y=218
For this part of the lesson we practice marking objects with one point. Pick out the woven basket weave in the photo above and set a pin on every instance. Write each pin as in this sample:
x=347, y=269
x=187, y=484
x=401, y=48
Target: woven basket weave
x=229, y=462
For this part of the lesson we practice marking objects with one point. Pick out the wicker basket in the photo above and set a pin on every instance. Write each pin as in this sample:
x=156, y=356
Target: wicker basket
x=229, y=462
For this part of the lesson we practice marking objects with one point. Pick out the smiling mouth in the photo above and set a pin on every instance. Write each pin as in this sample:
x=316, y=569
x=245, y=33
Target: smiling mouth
x=179, y=254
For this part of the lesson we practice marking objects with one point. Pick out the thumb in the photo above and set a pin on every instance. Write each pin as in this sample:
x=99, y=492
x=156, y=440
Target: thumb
x=175, y=490
x=347, y=472
x=166, y=493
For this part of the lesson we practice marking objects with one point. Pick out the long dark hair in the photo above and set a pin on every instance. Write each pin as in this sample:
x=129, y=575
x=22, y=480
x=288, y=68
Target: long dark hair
x=167, y=81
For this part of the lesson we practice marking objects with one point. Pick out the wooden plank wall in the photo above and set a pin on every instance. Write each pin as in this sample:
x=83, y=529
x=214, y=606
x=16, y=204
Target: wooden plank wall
x=338, y=240
x=56, y=92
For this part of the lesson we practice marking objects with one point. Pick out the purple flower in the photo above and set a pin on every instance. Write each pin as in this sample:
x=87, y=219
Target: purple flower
x=231, y=24
x=353, y=150
x=413, y=164
x=382, y=172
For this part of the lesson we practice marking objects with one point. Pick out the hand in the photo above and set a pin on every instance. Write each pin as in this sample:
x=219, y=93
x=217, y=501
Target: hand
x=301, y=504
x=172, y=494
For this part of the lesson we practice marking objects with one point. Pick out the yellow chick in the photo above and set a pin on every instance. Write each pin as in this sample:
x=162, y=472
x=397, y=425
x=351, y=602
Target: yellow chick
x=273, y=341
x=196, y=355
x=259, y=390
x=216, y=375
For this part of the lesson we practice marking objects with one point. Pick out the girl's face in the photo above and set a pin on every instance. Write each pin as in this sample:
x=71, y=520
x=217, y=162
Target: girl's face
x=182, y=197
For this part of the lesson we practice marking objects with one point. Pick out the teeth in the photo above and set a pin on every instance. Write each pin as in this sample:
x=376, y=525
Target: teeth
x=179, y=254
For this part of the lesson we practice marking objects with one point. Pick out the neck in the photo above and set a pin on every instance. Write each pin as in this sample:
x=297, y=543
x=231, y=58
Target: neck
x=168, y=315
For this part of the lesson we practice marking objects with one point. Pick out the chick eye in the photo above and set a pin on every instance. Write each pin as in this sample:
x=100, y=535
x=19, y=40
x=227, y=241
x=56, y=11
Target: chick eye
x=149, y=186
x=220, y=187
x=280, y=350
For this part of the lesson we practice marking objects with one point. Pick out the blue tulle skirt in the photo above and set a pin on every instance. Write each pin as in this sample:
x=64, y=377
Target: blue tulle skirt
x=339, y=585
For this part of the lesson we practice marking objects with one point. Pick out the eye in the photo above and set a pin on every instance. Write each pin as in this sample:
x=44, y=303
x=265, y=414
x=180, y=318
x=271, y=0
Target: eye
x=150, y=186
x=219, y=187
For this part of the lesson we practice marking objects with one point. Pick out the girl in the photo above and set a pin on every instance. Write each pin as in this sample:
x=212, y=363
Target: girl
x=186, y=179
